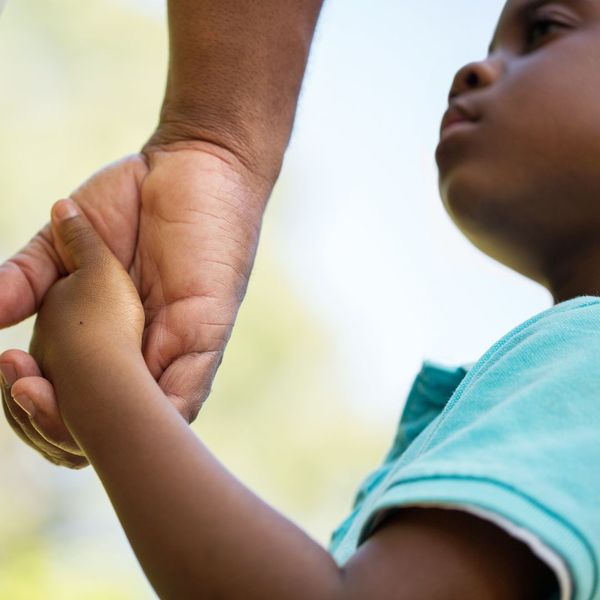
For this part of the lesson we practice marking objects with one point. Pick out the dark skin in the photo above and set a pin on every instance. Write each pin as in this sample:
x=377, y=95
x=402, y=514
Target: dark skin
x=184, y=215
x=196, y=530
x=521, y=184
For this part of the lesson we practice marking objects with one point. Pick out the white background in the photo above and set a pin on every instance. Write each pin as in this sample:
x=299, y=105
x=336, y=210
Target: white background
x=367, y=237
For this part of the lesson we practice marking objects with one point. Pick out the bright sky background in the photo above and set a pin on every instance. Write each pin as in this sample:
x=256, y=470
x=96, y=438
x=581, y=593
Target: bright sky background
x=364, y=234
x=368, y=240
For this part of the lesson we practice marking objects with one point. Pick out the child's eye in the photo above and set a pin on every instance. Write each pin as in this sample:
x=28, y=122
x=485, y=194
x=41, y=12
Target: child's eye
x=540, y=28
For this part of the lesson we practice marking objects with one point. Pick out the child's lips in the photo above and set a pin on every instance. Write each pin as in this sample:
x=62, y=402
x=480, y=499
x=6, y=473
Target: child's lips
x=455, y=126
x=457, y=122
x=455, y=114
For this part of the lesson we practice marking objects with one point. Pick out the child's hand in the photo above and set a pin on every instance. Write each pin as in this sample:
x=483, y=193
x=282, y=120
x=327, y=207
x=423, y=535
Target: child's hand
x=91, y=314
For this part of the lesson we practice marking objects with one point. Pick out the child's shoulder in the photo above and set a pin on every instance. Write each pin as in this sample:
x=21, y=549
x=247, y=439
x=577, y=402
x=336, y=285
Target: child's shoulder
x=482, y=437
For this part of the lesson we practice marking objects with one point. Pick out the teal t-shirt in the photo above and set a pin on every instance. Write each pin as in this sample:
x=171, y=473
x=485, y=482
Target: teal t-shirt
x=513, y=438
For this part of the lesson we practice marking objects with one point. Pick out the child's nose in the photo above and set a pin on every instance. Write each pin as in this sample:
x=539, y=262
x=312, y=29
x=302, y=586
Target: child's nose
x=475, y=75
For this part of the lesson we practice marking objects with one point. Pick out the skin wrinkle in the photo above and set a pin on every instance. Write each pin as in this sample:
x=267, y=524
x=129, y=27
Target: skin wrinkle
x=252, y=233
x=219, y=196
x=259, y=93
x=33, y=301
x=171, y=221
x=219, y=217
x=176, y=125
x=245, y=211
x=24, y=266
x=223, y=155
x=28, y=434
x=46, y=240
x=25, y=270
x=159, y=267
x=20, y=431
x=107, y=215
x=240, y=274
x=203, y=322
x=164, y=361
x=160, y=328
x=147, y=283
x=153, y=282
x=153, y=309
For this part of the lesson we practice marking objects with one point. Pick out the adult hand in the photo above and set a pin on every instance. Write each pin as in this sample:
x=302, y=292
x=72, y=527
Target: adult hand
x=184, y=220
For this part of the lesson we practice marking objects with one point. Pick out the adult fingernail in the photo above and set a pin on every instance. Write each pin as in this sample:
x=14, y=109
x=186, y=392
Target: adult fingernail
x=25, y=403
x=65, y=209
x=8, y=373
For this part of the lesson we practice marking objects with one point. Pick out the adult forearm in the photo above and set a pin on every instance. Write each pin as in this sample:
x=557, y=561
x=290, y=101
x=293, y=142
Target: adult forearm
x=235, y=71
x=196, y=530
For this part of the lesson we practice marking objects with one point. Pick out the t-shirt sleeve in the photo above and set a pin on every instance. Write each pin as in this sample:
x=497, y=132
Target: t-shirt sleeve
x=519, y=444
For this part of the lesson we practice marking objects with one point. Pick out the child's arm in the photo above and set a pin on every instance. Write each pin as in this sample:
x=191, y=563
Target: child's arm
x=196, y=530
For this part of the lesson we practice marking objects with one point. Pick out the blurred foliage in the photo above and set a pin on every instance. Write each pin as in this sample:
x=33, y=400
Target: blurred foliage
x=81, y=85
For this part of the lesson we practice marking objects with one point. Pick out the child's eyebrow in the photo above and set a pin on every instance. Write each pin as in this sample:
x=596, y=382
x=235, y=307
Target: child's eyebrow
x=523, y=11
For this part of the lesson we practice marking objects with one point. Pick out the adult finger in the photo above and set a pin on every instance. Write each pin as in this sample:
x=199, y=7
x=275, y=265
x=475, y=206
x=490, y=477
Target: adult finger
x=187, y=381
x=35, y=395
x=26, y=277
x=16, y=419
x=16, y=364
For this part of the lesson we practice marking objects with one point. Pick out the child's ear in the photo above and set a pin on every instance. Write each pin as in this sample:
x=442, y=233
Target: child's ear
x=75, y=240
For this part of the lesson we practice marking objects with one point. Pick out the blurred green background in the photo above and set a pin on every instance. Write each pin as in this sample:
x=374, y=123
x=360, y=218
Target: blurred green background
x=81, y=85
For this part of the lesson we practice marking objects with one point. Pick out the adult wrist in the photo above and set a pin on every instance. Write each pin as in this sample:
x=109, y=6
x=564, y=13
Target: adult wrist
x=183, y=126
x=224, y=174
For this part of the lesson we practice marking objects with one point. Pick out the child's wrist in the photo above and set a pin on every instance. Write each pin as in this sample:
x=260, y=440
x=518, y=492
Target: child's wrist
x=111, y=400
x=94, y=374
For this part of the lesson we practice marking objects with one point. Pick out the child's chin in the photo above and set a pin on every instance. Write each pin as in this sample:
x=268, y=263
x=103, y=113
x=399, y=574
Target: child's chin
x=461, y=193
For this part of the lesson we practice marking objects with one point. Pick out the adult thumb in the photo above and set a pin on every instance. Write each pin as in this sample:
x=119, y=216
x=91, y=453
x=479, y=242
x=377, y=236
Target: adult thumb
x=75, y=239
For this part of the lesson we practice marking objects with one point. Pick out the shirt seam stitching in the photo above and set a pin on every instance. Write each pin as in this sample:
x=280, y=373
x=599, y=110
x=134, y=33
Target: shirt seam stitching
x=492, y=355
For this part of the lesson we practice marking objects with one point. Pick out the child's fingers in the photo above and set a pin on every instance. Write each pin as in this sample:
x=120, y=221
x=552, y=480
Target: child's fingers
x=22, y=426
x=35, y=395
x=59, y=245
x=16, y=365
x=75, y=239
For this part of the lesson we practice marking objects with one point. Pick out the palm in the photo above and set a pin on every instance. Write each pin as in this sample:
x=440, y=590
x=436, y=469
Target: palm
x=186, y=226
x=197, y=240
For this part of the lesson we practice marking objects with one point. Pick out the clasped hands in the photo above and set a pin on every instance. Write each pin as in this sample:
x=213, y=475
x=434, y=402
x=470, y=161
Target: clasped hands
x=184, y=223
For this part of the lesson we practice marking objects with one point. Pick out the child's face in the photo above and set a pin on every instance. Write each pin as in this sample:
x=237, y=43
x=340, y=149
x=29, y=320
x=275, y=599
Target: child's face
x=522, y=181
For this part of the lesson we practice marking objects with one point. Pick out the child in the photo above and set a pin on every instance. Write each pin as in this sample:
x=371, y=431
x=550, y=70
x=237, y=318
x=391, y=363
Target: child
x=197, y=531
x=489, y=489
